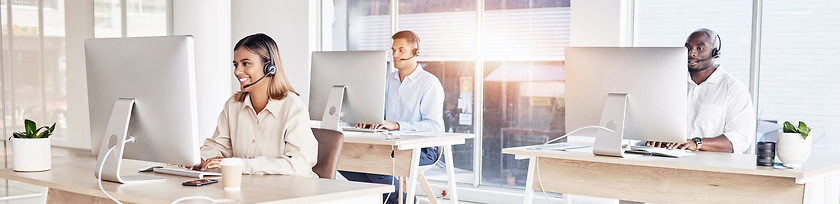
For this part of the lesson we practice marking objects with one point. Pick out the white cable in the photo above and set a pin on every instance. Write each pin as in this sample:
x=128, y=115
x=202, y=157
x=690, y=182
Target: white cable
x=537, y=163
x=99, y=175
x=573, y=131
x=537, y=167
x=393, y=172
x=195, y=197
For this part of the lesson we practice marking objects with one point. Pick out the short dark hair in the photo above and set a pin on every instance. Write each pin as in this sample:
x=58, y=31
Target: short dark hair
x=409, y=36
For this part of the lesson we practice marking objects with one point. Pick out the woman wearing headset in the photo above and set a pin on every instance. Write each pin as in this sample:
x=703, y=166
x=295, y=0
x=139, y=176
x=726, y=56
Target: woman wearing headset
x=266, y=123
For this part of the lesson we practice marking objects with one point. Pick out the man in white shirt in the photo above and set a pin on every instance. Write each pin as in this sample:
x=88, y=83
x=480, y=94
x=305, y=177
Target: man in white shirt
x=413, y=102
x=721, y=117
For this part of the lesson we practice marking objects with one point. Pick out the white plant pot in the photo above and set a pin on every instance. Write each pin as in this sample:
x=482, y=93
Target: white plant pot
x=792, y=149
x=31, y=154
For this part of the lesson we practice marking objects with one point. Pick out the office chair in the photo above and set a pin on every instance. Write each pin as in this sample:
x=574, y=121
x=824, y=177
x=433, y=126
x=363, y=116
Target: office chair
x=329, y=149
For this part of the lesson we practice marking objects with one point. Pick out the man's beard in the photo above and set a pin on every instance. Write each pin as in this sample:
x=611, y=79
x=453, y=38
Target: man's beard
x=695, y=70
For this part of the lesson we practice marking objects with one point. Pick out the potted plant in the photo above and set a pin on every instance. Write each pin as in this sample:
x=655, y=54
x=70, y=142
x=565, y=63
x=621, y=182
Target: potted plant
x=794, y=146
x=511, y=179
x=31, y=148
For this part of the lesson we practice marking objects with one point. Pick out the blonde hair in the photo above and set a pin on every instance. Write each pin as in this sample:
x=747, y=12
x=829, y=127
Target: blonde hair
x=259, y=43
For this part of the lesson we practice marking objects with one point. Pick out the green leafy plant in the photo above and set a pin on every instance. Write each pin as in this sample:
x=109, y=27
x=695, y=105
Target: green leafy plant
x=802, y=129
x=33, y=133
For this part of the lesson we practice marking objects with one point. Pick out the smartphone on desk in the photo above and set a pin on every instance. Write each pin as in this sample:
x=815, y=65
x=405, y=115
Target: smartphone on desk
x=200, y=182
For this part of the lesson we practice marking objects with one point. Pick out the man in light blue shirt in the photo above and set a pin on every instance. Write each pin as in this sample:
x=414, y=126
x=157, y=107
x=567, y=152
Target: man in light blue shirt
x=413, y=102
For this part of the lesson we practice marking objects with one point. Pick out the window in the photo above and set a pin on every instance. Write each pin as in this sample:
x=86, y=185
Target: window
x=523, y=84
x=33, y=65
x=798, y=75
x=447, y=31
x=362, y=25
x=142, y=18
x=526, y=37
x=107, y=18
x=34, y=59
x=145, y=17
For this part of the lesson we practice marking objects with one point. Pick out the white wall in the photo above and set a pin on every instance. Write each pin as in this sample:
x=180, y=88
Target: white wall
x=601, y=23
x=291, y=24
x=209, y=24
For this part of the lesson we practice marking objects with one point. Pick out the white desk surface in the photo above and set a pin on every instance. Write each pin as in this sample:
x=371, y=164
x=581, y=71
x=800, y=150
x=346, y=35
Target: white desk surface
x=702, y=161
x=73, y=172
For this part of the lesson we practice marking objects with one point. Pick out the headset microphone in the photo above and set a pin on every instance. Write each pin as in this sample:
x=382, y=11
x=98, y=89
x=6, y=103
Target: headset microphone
x=258, y=81
x=409, y=57
x=700, y=60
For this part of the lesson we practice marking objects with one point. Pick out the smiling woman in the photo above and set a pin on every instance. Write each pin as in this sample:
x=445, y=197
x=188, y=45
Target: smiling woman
x=265, y=123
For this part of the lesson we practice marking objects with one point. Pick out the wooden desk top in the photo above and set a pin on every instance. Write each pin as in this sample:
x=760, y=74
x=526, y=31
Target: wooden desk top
x=73, y=172
x=703, y=161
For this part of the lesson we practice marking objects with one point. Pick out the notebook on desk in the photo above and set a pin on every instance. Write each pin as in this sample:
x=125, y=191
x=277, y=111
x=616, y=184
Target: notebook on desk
x=658, y=151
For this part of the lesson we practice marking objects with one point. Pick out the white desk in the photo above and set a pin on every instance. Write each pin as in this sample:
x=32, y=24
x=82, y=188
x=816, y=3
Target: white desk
x=71, y=180
x=707, y=177
x=371, y=153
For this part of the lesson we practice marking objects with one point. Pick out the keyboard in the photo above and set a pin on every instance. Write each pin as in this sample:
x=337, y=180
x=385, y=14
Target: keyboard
x=659, y=151
x=186, y=172
x=354, y=129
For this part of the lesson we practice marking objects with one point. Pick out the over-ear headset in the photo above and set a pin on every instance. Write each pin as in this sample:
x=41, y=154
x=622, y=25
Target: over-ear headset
x=716, y=51
x=269, y=68
x=416, y=43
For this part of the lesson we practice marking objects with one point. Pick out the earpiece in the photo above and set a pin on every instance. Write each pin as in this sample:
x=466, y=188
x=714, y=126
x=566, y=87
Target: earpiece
x=269, y=68
x=716, y=51
x=416, y=43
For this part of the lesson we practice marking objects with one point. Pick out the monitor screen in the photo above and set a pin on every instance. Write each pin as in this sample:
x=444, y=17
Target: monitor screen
x=159, y=74
x=363, y=75
x=653, y=78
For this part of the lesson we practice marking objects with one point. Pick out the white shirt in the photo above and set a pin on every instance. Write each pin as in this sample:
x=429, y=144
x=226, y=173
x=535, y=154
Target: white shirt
x=416, y=103
x=278, y=140
x=721, y=105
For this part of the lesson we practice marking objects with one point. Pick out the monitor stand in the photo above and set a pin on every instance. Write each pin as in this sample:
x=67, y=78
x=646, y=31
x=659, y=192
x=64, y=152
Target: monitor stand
x=609, y=143
x=118, y=129
x=332, y=112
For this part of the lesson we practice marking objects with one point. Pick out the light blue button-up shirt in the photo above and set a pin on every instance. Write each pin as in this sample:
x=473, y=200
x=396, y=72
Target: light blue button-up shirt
x=416, y=103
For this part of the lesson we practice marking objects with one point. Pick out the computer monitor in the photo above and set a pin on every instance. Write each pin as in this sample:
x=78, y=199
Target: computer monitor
x=361, y=73
x=144, y=88
x=638, y=92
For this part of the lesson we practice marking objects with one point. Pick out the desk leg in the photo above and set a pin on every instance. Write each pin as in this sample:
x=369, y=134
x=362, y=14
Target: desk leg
x=450, y=174
x=832, y=189
x=529, y=183
x=412, y=176
x=825, y=190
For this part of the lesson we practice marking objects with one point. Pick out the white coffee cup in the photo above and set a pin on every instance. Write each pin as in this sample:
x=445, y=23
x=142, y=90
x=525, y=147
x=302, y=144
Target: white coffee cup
x=231, y=173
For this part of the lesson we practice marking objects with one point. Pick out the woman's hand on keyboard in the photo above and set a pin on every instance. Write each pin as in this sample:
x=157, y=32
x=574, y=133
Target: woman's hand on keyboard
x=205, y=164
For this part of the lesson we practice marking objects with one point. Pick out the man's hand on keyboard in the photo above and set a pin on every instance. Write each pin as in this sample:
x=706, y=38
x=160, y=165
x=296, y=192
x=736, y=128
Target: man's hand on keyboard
x=672, y=145
x=388, y=125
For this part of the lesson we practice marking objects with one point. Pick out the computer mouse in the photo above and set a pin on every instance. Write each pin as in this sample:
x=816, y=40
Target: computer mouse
x=148, y=168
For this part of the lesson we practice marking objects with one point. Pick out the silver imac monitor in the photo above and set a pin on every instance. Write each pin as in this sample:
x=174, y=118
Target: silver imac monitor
x=359, y=74
x=142, y=98
x=638, y=92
